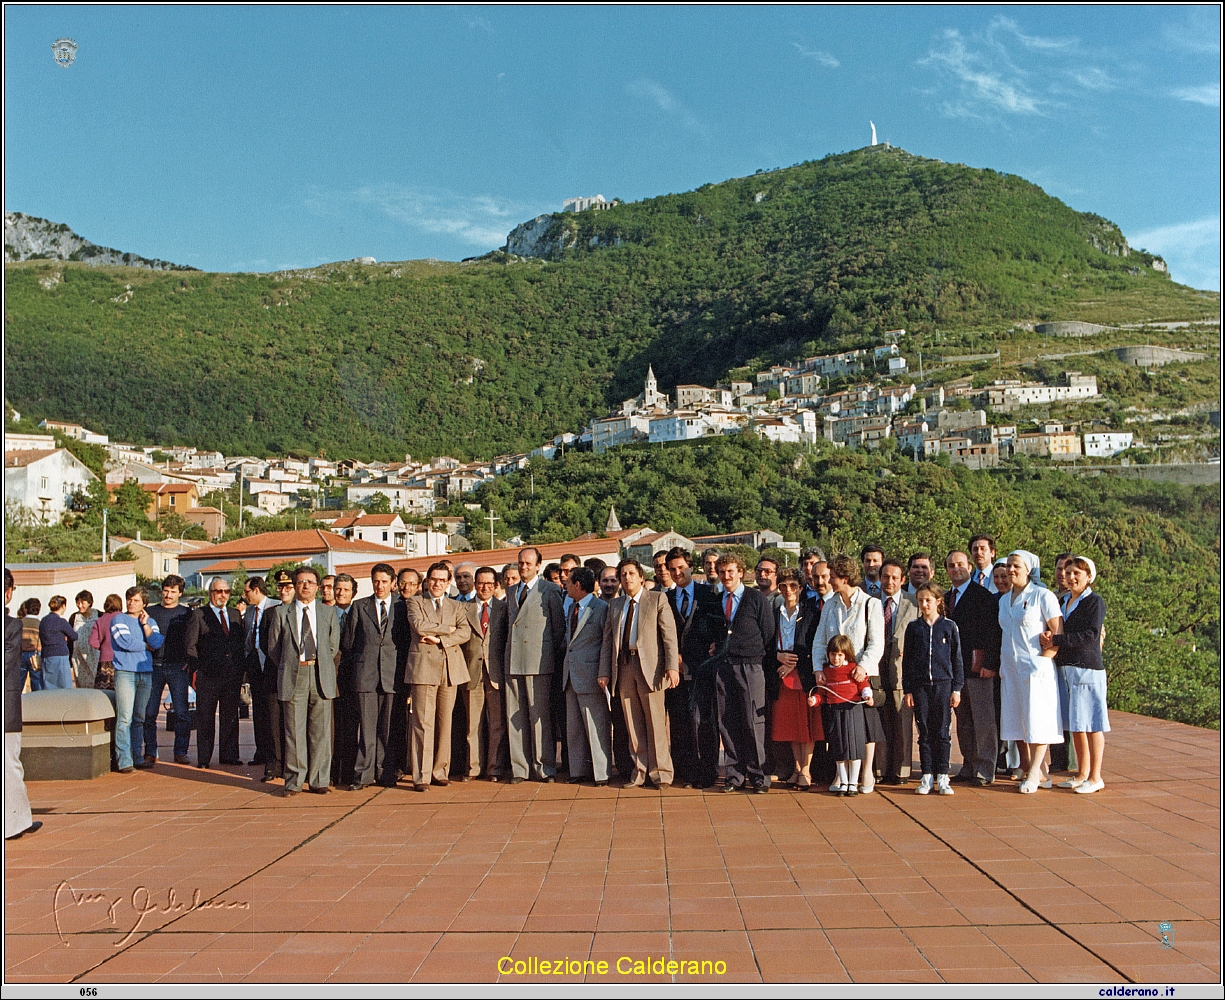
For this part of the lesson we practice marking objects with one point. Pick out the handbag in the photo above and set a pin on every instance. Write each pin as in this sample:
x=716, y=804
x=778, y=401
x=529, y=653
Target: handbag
x=792, y=680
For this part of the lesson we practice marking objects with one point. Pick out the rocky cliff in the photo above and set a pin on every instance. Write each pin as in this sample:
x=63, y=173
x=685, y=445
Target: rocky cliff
x=27, y=237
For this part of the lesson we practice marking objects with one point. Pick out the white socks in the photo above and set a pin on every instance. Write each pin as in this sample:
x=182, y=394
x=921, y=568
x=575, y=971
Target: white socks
x=843, y=780
x=853, y=769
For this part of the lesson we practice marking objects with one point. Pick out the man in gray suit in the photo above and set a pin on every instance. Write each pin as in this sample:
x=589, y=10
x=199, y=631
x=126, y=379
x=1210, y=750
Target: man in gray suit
x=588, y=719
x=303, y=642
x=368, y=660
x=899, y=611
x=535, y=646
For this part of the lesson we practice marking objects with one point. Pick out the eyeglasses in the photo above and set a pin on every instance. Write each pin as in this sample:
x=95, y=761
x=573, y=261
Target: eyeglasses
x=220, y=590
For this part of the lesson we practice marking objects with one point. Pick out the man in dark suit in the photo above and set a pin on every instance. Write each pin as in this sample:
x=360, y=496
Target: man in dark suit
x=468, y=753
x=534, y=649
x=740, y=683
x=497, y=752
x=215, y=647
x=302, y=646
x=367, y=682
x=265, y=708
x=690, y=711
x=976, y=612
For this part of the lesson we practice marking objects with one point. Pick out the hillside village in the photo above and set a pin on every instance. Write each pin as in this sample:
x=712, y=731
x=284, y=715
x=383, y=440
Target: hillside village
x=348, y=509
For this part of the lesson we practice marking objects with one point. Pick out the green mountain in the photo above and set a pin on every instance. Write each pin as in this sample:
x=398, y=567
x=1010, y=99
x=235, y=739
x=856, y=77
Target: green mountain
x=495, y=354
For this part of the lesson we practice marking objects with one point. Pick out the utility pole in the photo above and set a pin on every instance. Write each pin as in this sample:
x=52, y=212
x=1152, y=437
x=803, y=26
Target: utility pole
x=104, y=534
x=240, y=498
x=491, y=517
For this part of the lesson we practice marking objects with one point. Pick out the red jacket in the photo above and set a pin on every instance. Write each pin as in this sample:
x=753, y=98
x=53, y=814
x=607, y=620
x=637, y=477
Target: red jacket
x=839, y=689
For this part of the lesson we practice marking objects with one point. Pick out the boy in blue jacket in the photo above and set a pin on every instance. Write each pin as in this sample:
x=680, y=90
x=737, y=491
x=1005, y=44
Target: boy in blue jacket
x=932, y=679
x=133, y=635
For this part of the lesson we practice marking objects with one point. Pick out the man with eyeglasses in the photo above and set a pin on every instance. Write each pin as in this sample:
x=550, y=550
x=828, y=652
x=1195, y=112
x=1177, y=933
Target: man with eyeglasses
x=215, y=641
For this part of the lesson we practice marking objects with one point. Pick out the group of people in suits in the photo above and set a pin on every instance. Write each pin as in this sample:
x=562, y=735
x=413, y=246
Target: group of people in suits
x=599, y=671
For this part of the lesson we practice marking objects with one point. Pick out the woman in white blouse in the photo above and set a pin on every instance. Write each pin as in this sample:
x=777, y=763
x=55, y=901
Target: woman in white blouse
x=1029, y=691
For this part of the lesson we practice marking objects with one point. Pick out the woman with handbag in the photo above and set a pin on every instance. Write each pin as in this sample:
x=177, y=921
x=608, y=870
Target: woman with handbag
x=795, y=715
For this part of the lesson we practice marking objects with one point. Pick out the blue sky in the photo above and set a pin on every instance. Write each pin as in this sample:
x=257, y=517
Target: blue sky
x=273, y=137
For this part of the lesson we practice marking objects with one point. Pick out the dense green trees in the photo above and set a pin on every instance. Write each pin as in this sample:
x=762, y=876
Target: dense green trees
x=494, y=355
x=1157, y=545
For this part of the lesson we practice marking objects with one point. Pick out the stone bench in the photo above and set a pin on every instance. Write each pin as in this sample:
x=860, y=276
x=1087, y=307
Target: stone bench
x=67, y=734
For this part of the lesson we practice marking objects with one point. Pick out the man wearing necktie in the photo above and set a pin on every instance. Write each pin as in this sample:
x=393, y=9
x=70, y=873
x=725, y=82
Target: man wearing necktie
x=436, y=666
x=303, y=644
x=899, y=610
x=976, y=613
x=588, y=722
x=691, y=704
x=367, y=685
x=982, y=554
x=468, y=751
x=265, y=707
x=535, y=643
x=640, y=662
x=215, y=641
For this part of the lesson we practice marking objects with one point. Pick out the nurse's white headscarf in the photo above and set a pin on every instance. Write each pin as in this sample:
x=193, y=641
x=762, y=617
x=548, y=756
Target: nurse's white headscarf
x=1092, y=567
x=1031, y=561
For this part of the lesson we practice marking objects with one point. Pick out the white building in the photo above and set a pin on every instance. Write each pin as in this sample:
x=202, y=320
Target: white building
x=38, y=485
x=582, y=204
x=28, y=442
x=897, y=364
x=1106, y=444
x=412, y=498
x=1003, y=396
x=780, y=430
x=680, y=425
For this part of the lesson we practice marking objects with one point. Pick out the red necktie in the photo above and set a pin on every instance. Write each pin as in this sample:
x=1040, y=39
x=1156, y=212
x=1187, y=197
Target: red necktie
x=727, y=607
x=889, y=617
x=952, y=598
x=484, y=618
x=225, y=625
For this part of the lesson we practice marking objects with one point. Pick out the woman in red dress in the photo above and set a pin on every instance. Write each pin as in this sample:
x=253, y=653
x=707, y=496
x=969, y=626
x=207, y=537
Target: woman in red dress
x=794, y=708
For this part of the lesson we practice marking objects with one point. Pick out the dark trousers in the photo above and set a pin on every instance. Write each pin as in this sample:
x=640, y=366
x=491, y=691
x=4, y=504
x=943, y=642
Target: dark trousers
x=704, y=716
x=977, y=735
x=557, y=708
x=344, y=749
x=212, y=692
x=932, y=714
x=740, y=693
x=682, y=733
x=898, y=721
x=468, y=730
x=622, y=760
x=269, y=727
x=175, y=677
x=367, y=741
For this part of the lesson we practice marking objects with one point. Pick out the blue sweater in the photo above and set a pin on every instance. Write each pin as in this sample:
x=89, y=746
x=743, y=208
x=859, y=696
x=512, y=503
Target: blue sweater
x=131, y=648
x=56, y=636
x=932, y=655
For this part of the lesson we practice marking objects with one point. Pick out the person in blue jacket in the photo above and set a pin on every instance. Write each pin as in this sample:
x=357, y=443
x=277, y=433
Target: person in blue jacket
x=133, y=636
x=932, y=679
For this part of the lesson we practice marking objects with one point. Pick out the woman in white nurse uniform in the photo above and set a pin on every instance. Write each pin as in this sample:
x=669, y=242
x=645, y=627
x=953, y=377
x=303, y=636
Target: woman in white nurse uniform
x=1029, y=690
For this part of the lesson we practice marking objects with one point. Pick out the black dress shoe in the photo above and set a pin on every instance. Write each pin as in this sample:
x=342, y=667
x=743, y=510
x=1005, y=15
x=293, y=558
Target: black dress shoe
x=466, y=778
x=441, y=782
x=494, y=778
x=548, y=779
x=32, y=828
x=601, y=784
x=729, y=787
x=982, y=782
x=202, y=767
x=268, y=776
x=891, y=779
x=421, y=788
x=355, y=787
x=231, y=763
x=516, y=780
x=320, y=791
x=761, y=789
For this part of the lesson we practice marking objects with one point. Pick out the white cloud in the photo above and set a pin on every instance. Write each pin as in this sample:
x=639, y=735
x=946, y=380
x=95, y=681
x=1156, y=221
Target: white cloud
x=1035, y=42
x=665, y=101
x=1209, y=94
x=817, y=55
x=1200, y=33
x=480, y=221
x=1191, y=249
x=982, y=80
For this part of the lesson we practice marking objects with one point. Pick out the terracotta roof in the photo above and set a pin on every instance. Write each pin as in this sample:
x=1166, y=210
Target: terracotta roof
x=581, y=547
x=287, y=544
x=369, y=521
x=20, y=459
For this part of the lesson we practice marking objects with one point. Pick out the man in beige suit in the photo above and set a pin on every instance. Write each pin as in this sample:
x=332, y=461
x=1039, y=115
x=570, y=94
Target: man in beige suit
x=900, y=610
x=435, y=667
x=639, y=660
x=477, y=697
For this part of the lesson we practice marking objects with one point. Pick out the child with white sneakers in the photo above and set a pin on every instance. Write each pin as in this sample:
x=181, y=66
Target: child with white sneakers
x=932, y=679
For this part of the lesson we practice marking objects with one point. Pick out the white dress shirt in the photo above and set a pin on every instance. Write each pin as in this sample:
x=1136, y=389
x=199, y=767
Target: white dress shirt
x=298, y=609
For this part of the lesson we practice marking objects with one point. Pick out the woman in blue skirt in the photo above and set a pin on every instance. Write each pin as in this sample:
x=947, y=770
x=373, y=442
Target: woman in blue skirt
x=1082, y=674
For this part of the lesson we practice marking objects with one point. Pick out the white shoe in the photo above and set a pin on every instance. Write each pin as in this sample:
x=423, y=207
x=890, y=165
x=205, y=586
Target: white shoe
x=1045, y=784
x=836, y=786
x=1027, y=787
x=1089, y=787
x=868, y=785
x=925, y=786
x=942, y=785
x=1071, y=783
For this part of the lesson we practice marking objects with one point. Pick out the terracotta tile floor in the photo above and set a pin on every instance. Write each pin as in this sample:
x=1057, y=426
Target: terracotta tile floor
x=392, y=886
